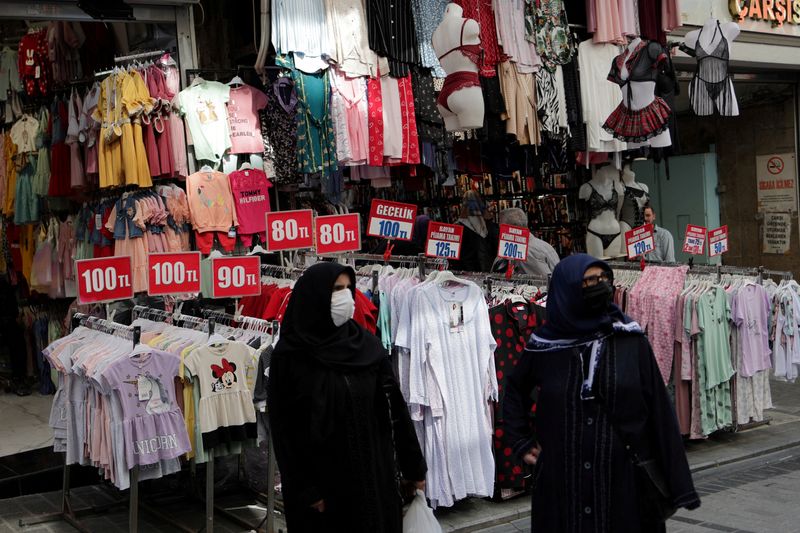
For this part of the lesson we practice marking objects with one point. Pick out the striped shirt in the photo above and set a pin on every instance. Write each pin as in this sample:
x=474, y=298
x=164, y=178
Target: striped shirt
x=392, y=34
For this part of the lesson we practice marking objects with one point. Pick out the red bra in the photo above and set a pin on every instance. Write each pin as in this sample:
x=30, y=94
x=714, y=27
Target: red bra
x=473, y=52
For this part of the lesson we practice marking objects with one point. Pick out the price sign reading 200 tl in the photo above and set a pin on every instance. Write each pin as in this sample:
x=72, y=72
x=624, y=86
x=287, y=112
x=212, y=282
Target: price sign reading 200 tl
x=391, y=220
x=336, y=234
x=104, y=280
x=234, y=277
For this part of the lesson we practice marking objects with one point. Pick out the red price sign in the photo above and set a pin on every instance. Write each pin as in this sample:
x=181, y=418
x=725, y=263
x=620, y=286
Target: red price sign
x=513, y=242
x=104, y=279
x=444, y=240
x=718, y=241
x=173, y=273
x=234, y=277
x=391, y=220
x=290, y=230
x=640, y=241
x=695, y=241
x=336, y=234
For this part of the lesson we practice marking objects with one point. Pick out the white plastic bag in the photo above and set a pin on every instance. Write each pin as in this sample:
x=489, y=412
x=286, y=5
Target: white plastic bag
x=419, y=517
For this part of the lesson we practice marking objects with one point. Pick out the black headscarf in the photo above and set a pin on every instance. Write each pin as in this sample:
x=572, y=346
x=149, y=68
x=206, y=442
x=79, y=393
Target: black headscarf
x=308, y=328
x=567, y=316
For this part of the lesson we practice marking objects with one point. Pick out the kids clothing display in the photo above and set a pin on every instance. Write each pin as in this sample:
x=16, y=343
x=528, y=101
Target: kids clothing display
x=250, y=190
x=243, y=106
x=211, y=204
x=203, y=106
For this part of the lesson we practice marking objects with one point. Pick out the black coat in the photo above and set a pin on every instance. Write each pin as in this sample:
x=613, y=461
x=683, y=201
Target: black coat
x=584, y=479
x=353, y=468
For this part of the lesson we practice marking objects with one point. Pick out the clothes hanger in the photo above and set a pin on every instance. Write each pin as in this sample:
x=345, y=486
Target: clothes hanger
x=236, y=81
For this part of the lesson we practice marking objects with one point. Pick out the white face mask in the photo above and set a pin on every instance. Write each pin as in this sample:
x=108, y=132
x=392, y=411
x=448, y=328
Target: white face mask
x=342, y=306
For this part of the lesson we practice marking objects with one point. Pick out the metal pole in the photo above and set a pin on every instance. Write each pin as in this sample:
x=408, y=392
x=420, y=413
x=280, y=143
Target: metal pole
x=210, y=492
x=271, y=487
x=133, y=504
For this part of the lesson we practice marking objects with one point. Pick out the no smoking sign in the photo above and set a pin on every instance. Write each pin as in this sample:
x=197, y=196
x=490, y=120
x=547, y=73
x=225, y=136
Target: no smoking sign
x=775, y=165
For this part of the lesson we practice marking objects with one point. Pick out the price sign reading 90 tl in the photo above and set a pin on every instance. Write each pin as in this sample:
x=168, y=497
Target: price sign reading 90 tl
x=104, y=280
x=391, y=220
x=235, y=277
x=336, y=234
x=173, y=273
x=290, y=230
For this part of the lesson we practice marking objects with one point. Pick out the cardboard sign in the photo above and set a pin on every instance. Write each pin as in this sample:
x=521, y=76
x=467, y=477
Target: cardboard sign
x=234, y=277
x=173, y=273
x=513, y=242
x=718, y=241
x=444, y=240
x=391, y=220
x=290, y=230
x=105, y=279
x=695, y=240
x=336, y=234
x=640, y=241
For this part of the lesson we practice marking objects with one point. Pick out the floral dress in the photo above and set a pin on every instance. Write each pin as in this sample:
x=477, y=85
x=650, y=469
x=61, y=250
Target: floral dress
x=546, y=25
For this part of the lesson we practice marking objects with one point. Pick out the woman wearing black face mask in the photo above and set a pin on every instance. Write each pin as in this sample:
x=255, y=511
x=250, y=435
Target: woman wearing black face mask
x=338, y=419
x=601, y=407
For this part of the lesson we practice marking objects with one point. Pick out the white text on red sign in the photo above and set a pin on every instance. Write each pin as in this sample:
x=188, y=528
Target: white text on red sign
x=718, y=241
x=695, y=241
x=337, y=234
x=513, y=242
x=391, y=220
x=104, y=279
x=444, y=240
x=173, y=273
x=639, y=241
x=290, y=230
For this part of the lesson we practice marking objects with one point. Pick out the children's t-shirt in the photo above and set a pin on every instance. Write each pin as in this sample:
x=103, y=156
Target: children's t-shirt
x=23, y=133
x=243, y=106
x=250, y=190
x=210, y=201
x=203, y=105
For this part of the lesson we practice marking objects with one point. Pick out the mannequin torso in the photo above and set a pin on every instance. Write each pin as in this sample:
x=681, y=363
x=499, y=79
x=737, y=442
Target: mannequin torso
x=711, y=90
x=635, y=197
x=603, y=238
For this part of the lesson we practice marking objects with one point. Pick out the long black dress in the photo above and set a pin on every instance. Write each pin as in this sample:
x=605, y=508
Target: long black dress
x=584, y=480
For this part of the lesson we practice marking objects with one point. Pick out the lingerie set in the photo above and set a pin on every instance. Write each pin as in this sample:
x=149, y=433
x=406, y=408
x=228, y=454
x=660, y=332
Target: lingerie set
x=463, y=78
x=632, y=212
x=598, y=204
x=711, y=89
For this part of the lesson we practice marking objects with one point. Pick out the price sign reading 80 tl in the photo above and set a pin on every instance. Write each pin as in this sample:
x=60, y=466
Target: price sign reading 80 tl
x=290, y=230
x=336, y=234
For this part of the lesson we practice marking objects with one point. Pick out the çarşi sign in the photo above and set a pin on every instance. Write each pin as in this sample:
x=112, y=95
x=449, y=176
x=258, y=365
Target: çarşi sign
x=776, y=12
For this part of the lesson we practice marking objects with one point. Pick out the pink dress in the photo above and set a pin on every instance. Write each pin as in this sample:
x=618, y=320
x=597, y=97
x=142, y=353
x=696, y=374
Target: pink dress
x=77, y=176
x=172, y=78
x=349, y=96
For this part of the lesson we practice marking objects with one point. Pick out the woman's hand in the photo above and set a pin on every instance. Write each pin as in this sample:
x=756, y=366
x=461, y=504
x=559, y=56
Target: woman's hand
x=319, y=506
x=532, y=456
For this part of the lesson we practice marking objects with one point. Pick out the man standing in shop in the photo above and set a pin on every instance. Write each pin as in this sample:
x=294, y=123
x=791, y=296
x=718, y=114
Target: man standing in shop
x=665, y=246
x=542, y=258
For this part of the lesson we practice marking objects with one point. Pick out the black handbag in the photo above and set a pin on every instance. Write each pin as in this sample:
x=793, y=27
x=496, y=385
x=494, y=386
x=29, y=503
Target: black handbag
x=654, y=497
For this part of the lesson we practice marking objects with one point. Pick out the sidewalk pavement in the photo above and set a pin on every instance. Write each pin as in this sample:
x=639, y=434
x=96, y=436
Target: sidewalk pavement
x=465, y=517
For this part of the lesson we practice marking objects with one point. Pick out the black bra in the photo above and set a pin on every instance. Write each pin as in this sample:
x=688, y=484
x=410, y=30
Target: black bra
x=598, y=204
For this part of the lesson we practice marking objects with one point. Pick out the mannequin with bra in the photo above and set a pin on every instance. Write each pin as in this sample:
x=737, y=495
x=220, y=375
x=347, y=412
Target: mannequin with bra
x=635, y=196
x=457, y=44
x=602, y=192
x=711, y=89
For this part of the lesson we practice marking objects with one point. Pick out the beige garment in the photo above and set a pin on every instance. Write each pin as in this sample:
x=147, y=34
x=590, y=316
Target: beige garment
x=519, y=95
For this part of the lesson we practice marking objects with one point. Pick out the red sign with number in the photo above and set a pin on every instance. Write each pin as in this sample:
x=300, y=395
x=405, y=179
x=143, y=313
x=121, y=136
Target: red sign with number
x=336, y=234
x=695, y=240
x=718, y=241
x=444, y=240
x=235, y=277
x=290, y=230
x=104, y=279
x=513, y=242
x=391, y=220
x=173, y=273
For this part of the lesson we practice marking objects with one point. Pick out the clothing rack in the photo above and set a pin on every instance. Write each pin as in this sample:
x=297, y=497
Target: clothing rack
x=421, y=261
x=131, y=57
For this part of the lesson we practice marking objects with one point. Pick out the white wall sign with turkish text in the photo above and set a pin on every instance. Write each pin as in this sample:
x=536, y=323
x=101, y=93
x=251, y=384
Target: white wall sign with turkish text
x=776, y=177
x=777, y=233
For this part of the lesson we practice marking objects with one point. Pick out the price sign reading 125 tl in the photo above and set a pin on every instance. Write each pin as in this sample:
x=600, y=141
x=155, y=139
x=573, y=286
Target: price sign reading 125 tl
x=234, y=277
x=513, y=242
x=640, y=241
x=444, y=240
x=337, y=234
x=173, y=273
x=718, y=241
x=290, y=230
x=104, y=280
x=391, y=220
x=695, y=241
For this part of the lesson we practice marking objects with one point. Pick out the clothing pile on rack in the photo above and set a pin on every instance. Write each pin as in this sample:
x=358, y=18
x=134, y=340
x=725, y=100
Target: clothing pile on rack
x=785, y=328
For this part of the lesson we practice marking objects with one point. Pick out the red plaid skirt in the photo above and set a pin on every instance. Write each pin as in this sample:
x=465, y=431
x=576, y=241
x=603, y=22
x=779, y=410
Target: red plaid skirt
x=638, y=126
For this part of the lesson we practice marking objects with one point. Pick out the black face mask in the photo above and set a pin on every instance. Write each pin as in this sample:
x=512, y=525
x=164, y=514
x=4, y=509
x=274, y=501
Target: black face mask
x=597, y=297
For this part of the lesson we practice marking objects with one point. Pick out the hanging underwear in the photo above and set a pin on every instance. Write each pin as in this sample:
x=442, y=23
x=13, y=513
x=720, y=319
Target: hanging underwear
x=712, y=79
x=631, y=213
x=462, y=79
x=604, y=238
x=598, y=204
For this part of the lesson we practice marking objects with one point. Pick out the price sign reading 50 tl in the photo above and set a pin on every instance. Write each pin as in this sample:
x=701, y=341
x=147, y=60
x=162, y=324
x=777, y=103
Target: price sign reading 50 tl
x=444, y=240
x=173, y=273
x=640, y=241
x=337, y=234
x=513, y=242
x=391, y=220
x=234, y=277
x=290, y=230
x=718, y=241
x=104, y=280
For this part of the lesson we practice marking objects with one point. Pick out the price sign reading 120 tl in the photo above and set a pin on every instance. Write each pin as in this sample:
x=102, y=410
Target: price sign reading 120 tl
x=695, y=241
x=718, y=241
x=640, y=241
x=444, y=240
x=234, y=277
x=337, y=234
x=290, y=230
x=104, y=280
x=173, y=273
x=513, y=242
x=391, y=220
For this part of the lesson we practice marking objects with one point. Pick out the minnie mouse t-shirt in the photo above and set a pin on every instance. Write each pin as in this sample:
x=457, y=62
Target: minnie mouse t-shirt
x=226, y=412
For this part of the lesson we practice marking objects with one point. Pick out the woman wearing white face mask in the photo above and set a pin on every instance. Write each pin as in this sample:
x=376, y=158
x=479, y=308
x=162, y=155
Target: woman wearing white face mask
x=339, y=422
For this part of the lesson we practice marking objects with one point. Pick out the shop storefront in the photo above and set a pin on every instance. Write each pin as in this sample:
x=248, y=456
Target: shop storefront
x=165, y=186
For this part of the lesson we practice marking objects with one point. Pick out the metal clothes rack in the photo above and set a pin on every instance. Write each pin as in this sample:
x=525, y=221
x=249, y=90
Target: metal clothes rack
x=420, y=261
x=130, y=57
x=68, y=514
